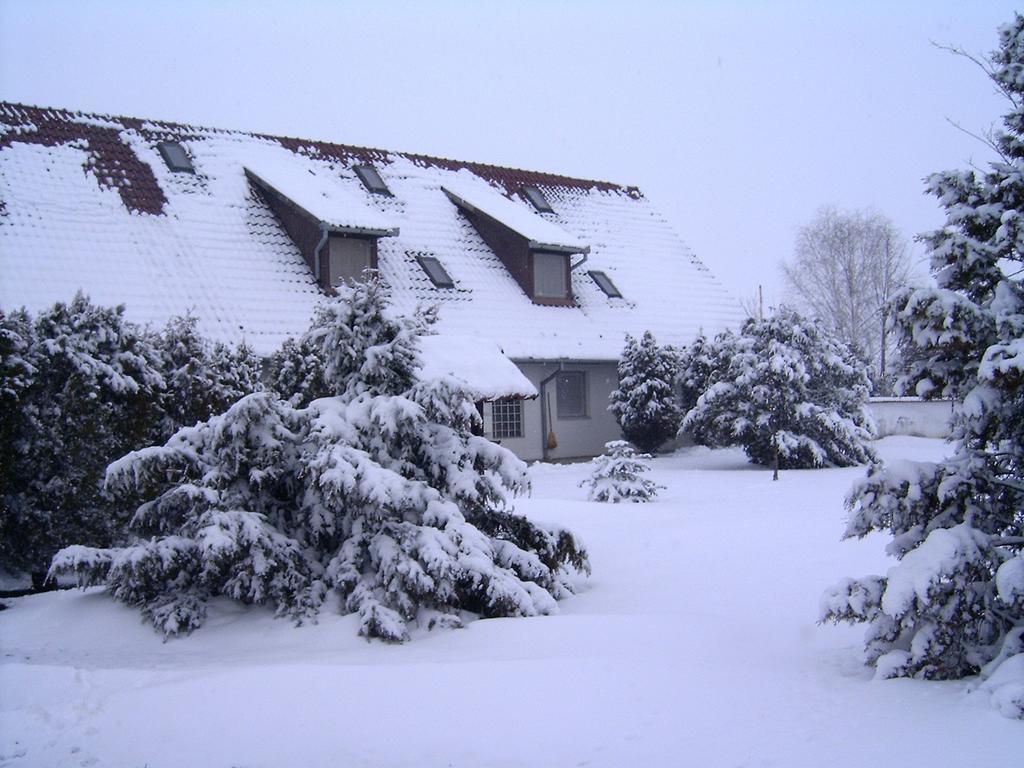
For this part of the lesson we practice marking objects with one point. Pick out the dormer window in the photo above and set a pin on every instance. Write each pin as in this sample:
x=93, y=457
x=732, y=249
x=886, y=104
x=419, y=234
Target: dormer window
x=335, y=232
x=605, y=284
x=550, y=275
x=535, y=251
x=175, y=156
x=436, y=272
x=537, y=199
x=371, y=179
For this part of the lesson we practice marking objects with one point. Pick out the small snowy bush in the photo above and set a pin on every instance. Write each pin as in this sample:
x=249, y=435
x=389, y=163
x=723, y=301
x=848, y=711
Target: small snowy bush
x=380, y=494
x=787, y=391
x=645, y=402
x=954, y=603
x=617, y=475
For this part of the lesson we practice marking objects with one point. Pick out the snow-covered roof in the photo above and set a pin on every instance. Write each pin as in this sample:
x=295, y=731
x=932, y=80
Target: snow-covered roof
x=317, y=193
x=478, y=363
x=87, y=202
x=476, y=195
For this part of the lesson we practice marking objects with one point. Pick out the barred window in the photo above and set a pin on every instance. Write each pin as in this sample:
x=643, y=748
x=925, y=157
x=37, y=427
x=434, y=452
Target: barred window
x=507, y=418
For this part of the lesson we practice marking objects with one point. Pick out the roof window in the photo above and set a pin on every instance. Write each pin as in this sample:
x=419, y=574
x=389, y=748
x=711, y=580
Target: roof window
x=536, y=197
x=605, y=284
x=176, y=157
x=437, y=273
x=371, y=179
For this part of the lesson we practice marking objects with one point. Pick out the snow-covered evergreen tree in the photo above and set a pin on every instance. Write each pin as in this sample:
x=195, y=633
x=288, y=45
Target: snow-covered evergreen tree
x=380, y=493
x=787, y=391
x=618, y=475
x=296, y=373
x=645, y=403
x=201, y=378
x=954, y=604
x=696, y=363
x=85, y=388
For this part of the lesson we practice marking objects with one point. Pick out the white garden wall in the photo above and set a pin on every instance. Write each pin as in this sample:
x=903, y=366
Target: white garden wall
x=911, y=416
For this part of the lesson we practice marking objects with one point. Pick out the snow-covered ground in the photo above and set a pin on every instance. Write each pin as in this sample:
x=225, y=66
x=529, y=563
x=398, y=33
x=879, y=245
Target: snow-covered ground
x=693, y=644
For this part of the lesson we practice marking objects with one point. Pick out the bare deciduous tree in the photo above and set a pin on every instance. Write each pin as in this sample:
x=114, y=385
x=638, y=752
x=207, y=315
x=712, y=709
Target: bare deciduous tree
x=845, y=269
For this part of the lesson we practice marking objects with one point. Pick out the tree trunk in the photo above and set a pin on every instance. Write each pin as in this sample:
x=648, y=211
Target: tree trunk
x=775, y=462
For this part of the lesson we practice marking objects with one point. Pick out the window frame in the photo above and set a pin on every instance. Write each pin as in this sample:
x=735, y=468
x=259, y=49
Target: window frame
x=371, y=179
x=437, y=280
x=165, y=148
x=536, y=198
x=560, y=406
x=510, y=421
x=333, y=280
x=607, y=286
x=563, y=261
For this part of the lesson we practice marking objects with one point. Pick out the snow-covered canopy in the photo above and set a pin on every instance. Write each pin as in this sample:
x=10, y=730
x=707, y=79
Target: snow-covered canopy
x=89, y=203
x=475, y=195
x=479, y=363
x=319, y=195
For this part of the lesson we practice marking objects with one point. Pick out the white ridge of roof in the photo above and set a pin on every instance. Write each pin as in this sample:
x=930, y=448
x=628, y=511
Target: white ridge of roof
x=540, y=232
x=319, y=195
x=478, y=363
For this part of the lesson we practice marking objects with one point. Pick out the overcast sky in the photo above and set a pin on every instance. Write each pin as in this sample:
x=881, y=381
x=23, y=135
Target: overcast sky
x=738, y=119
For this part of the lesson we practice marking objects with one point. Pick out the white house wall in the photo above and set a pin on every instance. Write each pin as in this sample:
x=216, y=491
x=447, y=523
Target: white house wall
x=577, y=437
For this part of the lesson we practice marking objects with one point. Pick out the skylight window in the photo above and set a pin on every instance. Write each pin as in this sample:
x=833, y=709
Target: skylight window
x=605, y=284
x=176, y=157
x=437, y=273
x=371, y=179
x=536, y=197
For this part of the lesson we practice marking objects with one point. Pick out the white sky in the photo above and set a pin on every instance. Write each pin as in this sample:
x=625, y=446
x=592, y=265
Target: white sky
x=738, y=119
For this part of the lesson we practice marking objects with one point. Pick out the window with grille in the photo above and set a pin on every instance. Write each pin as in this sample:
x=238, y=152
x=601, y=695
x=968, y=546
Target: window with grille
x=507, y=418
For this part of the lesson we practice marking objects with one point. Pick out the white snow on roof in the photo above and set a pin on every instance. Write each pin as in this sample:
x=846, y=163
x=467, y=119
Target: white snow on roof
x=478, y=363
x=218, y=251
x=317, y=193
x=477, y=194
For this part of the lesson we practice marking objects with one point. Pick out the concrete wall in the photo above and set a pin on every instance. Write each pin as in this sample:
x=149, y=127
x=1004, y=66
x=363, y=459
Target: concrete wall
x=577, y=437
x=910, y=416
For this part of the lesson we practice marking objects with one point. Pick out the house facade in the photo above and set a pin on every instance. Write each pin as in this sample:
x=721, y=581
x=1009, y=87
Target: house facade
x=250, y=232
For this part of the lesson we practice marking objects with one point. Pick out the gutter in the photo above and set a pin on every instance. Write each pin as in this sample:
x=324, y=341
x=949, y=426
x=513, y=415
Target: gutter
x=324, y=234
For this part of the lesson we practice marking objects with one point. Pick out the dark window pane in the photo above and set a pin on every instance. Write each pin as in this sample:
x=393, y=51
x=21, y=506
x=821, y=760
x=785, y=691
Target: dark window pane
x=549, y=278
x=175, y=156
x=371, y=179
x=349, y=256
x=605, y=284
x=571, y=394
x=437, y=273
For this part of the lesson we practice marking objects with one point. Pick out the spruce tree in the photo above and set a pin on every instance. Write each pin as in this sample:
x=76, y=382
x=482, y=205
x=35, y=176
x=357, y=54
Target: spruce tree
x=84, y=388
x=200, y=378
x=954, y=603
x=618, y=475
x=379, y=493
x=645, y=402
x=788, y=392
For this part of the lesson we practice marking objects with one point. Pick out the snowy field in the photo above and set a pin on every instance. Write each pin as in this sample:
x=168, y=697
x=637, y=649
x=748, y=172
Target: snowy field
x=693, y=644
